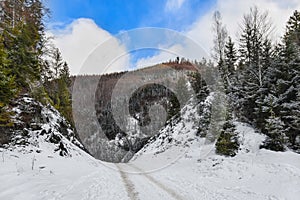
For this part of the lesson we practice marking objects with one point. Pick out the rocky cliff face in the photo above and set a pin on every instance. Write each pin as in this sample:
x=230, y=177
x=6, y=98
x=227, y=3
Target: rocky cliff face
x=35, y=124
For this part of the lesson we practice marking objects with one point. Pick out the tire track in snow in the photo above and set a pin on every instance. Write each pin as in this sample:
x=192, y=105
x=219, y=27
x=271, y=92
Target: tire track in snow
x=132, y=194
x=158, y=184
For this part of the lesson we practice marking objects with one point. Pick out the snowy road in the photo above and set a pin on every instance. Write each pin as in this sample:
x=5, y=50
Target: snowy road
x=131, y=191
x=145, y=182
x=270, y=176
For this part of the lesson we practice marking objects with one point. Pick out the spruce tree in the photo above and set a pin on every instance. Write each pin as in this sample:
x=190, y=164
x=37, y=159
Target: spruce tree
x=274, y=131
x=288, y=80
x=58, y=63
x=227, y=143
x=7, y=85
x=230, y=58
x=255, y=32
x=292, y=121
x=199, y=85
x=23, y=32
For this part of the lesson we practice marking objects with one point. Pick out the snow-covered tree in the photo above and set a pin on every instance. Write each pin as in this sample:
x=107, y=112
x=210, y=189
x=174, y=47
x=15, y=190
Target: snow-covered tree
x=230, y=59
x=227, y=143
x=274, y=131
x=254, y=54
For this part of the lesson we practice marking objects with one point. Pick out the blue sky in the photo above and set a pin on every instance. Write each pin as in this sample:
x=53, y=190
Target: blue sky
x=79, y=26
x=117, y=15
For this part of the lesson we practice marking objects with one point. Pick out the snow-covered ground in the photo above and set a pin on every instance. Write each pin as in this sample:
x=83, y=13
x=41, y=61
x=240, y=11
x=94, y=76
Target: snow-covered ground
x=252, y=174
x=175, y=165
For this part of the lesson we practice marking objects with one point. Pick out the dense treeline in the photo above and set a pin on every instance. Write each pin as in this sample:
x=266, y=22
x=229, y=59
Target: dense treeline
x=261, y=79
x=28, y=62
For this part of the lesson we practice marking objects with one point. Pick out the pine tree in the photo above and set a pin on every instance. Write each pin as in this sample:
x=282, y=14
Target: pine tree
x=292, y=121
x=63, y=102
x=23, y=32
x=255, y=33
x=292, y=37
x=46, y=72
x=274, y=131
x=205, y=112
x=7, y=85
x=58, y=82
x=227, y=143
x=230, y=57
x=58, y=63
x=288, y=80
x=64, y=93
x=199, y=85
x=230, y=78
x=267, y=87
x=64, y=74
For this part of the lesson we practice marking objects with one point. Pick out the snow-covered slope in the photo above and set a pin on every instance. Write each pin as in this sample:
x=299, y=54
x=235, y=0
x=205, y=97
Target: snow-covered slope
x=253, y=174
x=44, y=160
x=47, y=175
x=36, y=125
x=178, y=164
x=189, y=168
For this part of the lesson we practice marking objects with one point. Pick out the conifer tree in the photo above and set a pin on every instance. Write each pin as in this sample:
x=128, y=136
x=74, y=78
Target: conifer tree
x=7, y=85
x=291, y=38
x=227, y=143
x=199, y=85
x=24, y=34
x=274, y=131
x=255, y=32
x=230, y=58
x=288, y=80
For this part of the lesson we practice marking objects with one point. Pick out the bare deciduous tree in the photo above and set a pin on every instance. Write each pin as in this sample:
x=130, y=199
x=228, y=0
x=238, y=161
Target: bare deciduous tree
x=219, y=38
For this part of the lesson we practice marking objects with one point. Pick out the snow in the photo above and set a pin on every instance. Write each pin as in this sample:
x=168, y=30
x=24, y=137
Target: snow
x=252, y=174
x=175, y=165
x=55, y=177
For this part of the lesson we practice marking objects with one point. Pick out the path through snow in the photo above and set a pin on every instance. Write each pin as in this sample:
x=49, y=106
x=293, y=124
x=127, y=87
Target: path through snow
x=253, y=174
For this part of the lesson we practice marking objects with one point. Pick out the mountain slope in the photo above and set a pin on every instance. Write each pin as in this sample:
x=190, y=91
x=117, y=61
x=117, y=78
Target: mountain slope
x=44, y=160
x=192, y=169
x=253, y=174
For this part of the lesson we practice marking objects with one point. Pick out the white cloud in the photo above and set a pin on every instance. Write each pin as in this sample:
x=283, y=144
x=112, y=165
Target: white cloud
x=232, y=12
x=81, y=39
x=186, y=49
x=173, y=5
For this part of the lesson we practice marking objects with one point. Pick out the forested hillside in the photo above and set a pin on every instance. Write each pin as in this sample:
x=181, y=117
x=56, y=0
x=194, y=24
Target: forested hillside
x=262, y=78
x=29, y=63
x=114, y=110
